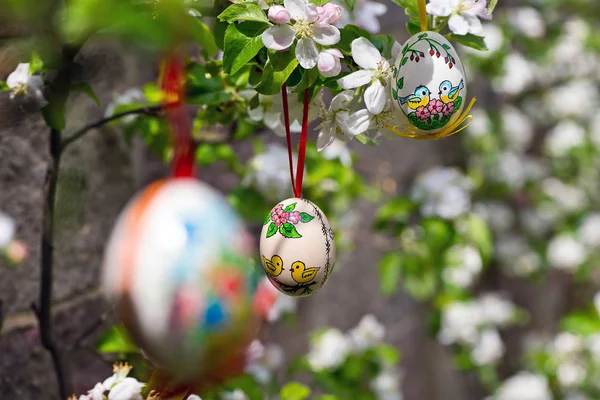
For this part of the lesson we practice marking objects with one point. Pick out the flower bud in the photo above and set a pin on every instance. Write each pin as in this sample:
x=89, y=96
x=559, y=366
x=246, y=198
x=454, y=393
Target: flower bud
x=279, y=15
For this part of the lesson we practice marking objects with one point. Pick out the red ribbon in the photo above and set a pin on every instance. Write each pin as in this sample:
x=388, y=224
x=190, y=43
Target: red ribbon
x=297, y=183
x=173, y=87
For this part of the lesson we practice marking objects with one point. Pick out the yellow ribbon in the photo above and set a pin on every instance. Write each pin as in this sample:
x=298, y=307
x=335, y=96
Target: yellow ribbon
x=454, y=126
x=423, y=15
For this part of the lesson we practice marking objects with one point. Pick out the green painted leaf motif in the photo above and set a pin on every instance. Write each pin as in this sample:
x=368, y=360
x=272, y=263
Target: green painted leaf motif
x=394, y=94
x=421, y=36
x=272, y=230
x=446, y=46
x=405, y=49
x=404, y=61
x=267, y=219
x=289, y=231
x=290, y=207
x=400, y=83
x=306, y=217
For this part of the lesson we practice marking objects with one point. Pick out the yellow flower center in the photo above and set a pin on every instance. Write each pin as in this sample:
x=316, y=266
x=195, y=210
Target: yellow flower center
x=303, y=29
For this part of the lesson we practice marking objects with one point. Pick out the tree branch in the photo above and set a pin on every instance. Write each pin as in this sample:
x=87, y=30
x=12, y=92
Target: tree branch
x=151, y=111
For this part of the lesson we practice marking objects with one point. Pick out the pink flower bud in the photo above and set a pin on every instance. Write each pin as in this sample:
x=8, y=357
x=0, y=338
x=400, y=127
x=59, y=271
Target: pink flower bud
x=16, y=251
x=329, y=13
x=279, y=15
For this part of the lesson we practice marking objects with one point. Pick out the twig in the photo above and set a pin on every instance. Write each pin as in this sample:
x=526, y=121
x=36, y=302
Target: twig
x=149, y=111
x=43, y=312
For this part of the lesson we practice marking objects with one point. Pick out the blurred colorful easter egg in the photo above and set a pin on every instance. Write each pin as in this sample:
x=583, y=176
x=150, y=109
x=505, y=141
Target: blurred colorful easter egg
x=179, y=268
x=297, y=247
x=428, y=85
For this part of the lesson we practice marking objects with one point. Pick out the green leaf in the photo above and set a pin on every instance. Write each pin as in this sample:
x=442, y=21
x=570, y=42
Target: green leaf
x=319, y=3
x=491, y=6
x=242, y=42
x=306, y=217
x=294, y=391
x=384, y=44
x=413, y=27
x=309, y=77
x=290, y=207
x=394, y=214
x=36, y=63
x=203, y=35
x=347, y=34
x=277, y=70
x=54, y=115
x=479, y=233
x=289, y=231
x=243, y=12
x=267, y=219
x=400, y=83
x=3, y=86
x=87, y=89
x=116, y=340
x=219, y=32
x=469, y=40
x=350, y=4
x=390, y=269
x=581, y=323
x=411, y=6
x=204, y=90
x=272, y=230
x=388, y=354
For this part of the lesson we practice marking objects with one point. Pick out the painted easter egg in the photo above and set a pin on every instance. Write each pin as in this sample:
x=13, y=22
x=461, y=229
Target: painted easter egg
x=297, y=247
x=428, y=86
x=179, y=268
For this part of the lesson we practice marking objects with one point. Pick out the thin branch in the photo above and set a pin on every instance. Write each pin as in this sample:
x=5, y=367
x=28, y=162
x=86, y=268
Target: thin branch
x=151, y=111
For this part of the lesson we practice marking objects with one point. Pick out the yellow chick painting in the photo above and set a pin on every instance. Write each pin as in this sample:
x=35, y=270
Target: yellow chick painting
x=301, y=274
x=274, y=266
x=448, y=93
x=420, y=98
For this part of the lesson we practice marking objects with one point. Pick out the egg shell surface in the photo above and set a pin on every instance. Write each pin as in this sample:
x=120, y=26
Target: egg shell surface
x=179, y=269
x=297, y=247
x=428, y=85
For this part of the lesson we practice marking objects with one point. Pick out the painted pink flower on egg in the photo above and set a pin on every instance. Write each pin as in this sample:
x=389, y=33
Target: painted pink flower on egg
x=435, y=106
x=423, y=113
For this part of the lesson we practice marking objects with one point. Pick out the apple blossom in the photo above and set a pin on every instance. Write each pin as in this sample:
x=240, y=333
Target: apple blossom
x=376, y=73
x=464, y=14
x=22, y=83
x=307, y=27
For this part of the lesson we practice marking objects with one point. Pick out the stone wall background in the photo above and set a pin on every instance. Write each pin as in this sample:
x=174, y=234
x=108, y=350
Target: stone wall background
x=98, y=176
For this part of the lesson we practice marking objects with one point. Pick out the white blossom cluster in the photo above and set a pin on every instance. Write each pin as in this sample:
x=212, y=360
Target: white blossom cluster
x=14, y=250
x=332, y=347
x=474, y=324
x=443, y=192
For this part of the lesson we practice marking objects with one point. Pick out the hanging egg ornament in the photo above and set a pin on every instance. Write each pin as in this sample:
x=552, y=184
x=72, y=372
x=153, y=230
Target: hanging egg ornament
x=178, y=267
x=429, y=85
x=297, y=247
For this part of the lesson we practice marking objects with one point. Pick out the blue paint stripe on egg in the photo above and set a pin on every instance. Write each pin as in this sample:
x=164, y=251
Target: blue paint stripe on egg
x=215, y=315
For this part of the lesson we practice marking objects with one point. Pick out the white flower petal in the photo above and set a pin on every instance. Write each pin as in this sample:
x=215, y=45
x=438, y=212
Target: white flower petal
x=356, y=123
x=375, y=97
x=301, y=9
x=279, y=15
x=325, y=34
x=20, y=76
x=355, y=79
x=365, y=54
x=334, y=52
x=396, y=49
x=329, y=65
x=325, y=138
x=475, y=26
x=307, y=53
x=341, y=100
x=375, y=8
x=7, y=230
x=439, y=8
x=458, y=24
x=278, y=37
